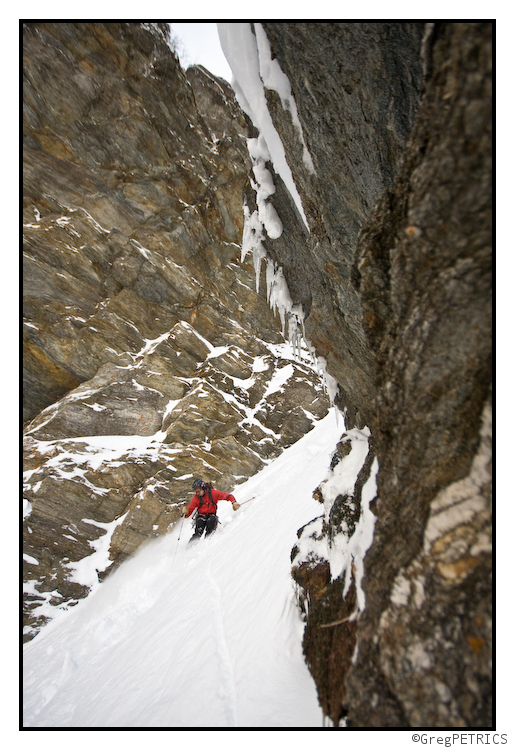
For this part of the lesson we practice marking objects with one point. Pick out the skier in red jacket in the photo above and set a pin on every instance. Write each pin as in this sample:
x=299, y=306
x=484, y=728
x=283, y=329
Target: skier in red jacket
x=205, y=501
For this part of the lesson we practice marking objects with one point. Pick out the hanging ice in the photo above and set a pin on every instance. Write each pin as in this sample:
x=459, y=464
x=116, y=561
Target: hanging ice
x=249, y=56
x=253, y=240
x=264, y=187
x=276, y=80
x=279, y=297
x=240, y=47
x=330, y=383
x=265, y=217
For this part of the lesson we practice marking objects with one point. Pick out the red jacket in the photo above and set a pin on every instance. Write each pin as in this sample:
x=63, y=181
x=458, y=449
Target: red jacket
x=205, y=505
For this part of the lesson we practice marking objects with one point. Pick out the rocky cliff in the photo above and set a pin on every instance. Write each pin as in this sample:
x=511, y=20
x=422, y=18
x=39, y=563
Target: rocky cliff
x=149, y=356
x=379, y=139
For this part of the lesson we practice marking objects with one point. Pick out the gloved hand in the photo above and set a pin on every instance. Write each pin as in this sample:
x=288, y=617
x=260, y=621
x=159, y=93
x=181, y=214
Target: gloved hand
x=235, y=506
x=184, y=512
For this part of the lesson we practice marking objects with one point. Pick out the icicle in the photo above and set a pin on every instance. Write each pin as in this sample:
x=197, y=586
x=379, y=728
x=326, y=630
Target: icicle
x=297, y=332
x=330, y=383
x=278, y=293
x=253, y=240
x=259, y=254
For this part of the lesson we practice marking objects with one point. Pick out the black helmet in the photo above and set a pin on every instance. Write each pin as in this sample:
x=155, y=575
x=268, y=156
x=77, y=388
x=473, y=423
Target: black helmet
x=198, y=484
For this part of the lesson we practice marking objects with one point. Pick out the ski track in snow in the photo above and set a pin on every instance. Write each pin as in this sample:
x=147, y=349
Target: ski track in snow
x=227, y=689
x=201, y=636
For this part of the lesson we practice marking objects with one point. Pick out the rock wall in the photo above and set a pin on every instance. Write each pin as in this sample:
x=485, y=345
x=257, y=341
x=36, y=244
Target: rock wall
x=356, y=146
x=395, y=279
x=149, y=357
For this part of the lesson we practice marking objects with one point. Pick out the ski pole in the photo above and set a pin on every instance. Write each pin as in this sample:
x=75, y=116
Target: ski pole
x=248, y=501
x=177, y=545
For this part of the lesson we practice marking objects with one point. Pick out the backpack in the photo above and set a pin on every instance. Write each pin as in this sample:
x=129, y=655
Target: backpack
x=212, y=502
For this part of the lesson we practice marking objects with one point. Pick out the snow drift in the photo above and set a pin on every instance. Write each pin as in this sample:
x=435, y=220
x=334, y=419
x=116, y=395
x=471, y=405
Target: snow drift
x=200, y=636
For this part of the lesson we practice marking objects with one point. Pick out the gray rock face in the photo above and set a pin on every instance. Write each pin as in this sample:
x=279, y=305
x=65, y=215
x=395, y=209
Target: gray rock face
x=433, y=400
x=149, y=357
x=395, y=278
x=356, y=118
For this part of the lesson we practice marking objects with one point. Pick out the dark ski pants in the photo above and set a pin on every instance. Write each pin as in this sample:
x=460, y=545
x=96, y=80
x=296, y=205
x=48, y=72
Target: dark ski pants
x=207, y=523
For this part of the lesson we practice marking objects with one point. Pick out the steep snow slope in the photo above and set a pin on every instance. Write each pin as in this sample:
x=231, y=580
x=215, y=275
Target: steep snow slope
x=201, y=636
